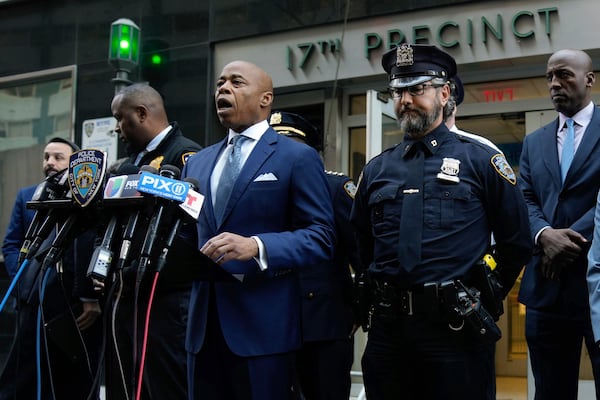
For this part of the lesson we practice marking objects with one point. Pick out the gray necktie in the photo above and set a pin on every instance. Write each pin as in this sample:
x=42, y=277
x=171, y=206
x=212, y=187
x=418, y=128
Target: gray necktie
x=230, y=173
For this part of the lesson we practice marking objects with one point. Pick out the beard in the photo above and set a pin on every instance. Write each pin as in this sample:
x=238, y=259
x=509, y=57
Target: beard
x=417, y=122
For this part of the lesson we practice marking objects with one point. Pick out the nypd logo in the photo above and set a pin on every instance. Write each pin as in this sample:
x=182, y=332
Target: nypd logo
x=164, y=187
x=86, y=175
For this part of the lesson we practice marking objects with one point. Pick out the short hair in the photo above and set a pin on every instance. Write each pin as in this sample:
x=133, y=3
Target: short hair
x=58, y=139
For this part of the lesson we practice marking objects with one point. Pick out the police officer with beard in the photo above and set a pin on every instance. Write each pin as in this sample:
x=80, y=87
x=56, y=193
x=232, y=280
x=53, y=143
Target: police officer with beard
x=424, y=211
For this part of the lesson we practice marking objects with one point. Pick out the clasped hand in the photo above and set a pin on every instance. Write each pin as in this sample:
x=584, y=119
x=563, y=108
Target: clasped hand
x=561, y=247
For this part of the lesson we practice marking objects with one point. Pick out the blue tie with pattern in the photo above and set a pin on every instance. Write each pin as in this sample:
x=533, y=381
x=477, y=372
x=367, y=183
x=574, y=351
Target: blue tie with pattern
x=230, y=173
x=568, y=149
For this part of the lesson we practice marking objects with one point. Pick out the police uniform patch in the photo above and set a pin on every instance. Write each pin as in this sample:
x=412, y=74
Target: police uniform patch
x=350, y=188
x=186, y=156
x=503, y=168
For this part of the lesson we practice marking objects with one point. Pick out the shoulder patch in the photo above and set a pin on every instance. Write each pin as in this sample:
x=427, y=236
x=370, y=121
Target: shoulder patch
x=503, y=168
x=350, y=188
x=185, y=156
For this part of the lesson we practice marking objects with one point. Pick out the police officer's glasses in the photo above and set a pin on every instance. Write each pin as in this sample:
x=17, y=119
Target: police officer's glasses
x=415, y=90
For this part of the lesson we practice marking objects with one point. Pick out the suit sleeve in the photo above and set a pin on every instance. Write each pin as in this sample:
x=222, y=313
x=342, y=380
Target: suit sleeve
x=15, y=234
x=593, y=274
x=311, y=238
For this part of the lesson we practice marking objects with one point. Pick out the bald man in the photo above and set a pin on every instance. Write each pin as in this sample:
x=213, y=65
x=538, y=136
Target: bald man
x=260, y=225
x=143, y=125
x=561, y=197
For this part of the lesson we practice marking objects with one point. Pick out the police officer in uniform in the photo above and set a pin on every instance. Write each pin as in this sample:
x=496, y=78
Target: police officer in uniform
x=143, y=125
x=324, y=362
x=424, y=211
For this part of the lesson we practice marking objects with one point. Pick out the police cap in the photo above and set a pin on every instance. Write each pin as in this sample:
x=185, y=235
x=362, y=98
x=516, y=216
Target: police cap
x=294, y=125
x=411, y=64
x=458, y=91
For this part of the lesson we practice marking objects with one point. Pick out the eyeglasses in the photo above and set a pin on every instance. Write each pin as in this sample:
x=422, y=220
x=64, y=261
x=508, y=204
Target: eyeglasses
x=415, y=90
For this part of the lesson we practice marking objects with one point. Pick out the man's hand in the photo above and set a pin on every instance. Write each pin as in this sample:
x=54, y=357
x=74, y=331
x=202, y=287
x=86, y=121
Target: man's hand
x=229, y=246
x=561, y=248
x=91, y=311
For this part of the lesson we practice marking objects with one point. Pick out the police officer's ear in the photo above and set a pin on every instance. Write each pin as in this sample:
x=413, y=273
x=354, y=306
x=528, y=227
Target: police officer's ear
x=142, y=112
x=446, y=92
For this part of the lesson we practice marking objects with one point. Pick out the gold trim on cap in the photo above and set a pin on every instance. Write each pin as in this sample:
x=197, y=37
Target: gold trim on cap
x=283, y=129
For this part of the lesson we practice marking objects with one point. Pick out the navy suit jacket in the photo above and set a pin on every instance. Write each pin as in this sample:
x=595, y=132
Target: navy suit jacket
x=292, y=215
x=20, y=220
x=568, y=205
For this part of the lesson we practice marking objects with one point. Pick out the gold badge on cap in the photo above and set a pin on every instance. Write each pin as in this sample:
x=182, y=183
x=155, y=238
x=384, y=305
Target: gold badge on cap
x=404, y=55
x=275, y=119
x=450, y=169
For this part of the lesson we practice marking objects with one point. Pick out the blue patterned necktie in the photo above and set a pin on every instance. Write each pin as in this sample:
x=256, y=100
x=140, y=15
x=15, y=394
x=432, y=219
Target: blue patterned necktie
x=229, y=175
x=568, y=149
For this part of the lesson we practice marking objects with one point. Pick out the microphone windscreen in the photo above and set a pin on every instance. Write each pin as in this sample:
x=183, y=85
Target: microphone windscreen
x=170, y=171
x=128, y=169
x=149, y=169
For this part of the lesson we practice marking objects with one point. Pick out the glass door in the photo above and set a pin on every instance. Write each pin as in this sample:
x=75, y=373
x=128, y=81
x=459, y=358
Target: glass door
x=382, y=129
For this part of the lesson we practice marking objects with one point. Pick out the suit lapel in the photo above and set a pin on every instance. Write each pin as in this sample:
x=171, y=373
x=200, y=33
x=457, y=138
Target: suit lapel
x=588, y=144
x=211, y=156
x=261, y=152
x=550, y=152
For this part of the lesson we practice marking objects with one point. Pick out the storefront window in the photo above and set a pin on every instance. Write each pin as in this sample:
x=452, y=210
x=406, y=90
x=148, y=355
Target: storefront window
x=33, y=109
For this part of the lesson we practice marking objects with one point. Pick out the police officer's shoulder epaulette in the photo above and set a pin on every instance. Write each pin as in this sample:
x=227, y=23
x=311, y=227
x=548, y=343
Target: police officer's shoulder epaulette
x=334, y=173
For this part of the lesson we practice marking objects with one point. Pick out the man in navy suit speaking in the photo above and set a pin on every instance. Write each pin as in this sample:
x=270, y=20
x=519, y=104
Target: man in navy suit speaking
x=267, y=213
x=560, y=177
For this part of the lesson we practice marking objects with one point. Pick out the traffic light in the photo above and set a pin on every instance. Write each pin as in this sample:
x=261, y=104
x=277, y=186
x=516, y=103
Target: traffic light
x=124, y=47
x=155, y=62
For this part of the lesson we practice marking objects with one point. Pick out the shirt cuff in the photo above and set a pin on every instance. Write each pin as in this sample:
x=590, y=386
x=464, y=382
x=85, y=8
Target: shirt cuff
x=261, y=260
x=537, y=235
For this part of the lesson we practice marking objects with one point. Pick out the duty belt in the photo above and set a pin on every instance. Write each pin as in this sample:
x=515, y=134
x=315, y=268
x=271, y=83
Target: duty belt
x=391, y=301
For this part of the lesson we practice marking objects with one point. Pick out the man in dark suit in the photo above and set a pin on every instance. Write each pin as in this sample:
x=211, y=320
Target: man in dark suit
x=71, y=371
x=324, y=362
x=142, y=123
x=277, y=218
x=561, y=212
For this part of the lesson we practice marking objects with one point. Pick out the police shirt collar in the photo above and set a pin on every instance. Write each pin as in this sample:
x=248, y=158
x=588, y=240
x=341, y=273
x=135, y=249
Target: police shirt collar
x=431, y=141
x=157, y=139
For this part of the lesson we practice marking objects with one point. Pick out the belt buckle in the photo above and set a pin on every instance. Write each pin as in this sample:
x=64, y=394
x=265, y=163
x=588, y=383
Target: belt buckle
x=406, y=302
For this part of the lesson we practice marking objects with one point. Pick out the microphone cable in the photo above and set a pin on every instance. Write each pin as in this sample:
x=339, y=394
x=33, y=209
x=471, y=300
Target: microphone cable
x=145, y=336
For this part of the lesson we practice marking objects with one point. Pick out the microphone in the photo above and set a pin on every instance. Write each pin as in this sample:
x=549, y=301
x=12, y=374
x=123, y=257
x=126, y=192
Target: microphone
x=162, y=186
x=131, y=226
x=54, y=187
x=162, y=258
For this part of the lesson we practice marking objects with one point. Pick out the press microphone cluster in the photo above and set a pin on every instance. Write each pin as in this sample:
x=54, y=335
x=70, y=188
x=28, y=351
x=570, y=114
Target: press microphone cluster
x=130, y=198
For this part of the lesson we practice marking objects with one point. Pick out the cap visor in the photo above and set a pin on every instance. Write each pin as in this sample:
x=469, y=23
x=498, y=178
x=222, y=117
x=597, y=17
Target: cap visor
x=409, y=81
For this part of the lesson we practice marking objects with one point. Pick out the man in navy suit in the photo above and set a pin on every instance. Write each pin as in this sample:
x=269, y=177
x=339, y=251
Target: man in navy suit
x=561, y=217
x=277, y=218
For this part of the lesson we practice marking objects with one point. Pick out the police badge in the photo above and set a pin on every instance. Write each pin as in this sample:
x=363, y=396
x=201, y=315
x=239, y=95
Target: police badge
x=404, y=55
x=450, y=169
x=86, y=175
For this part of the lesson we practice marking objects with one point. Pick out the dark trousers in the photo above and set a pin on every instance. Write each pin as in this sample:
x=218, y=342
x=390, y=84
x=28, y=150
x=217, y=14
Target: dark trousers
x=216, y=373
x=417, y=357
x=554, y=342
x=323, y=369
x=165, y=362
x=71, y=373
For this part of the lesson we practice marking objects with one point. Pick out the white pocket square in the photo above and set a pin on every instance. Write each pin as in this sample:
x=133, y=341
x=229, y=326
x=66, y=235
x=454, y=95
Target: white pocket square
x=266, y=177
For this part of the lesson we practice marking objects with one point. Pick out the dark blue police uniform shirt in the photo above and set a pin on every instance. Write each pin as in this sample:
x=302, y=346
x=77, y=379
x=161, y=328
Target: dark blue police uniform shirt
x=458, y=217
